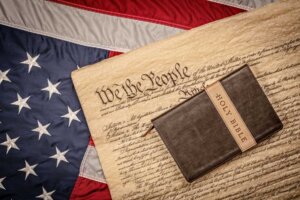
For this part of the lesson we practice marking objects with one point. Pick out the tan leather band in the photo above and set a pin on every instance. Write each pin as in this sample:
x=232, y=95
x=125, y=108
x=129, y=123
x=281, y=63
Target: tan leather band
x=230, y=116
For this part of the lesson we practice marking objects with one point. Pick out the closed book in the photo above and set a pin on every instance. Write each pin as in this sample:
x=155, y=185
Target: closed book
x=198, y=136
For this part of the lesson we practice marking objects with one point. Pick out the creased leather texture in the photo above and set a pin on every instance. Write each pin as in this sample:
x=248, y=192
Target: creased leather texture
x=196, y=135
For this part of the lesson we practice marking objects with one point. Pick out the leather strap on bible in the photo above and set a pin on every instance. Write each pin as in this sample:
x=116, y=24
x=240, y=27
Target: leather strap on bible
x=230, y=116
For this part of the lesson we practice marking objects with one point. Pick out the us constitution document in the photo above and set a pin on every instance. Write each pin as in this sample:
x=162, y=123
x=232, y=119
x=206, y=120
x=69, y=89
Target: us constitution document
x=120, y=96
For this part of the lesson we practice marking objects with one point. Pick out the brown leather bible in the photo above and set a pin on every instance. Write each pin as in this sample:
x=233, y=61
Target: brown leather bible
x=198, y=136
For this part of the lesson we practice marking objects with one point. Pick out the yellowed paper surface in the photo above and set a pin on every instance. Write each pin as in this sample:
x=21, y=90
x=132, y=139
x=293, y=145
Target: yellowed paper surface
x=121, y=95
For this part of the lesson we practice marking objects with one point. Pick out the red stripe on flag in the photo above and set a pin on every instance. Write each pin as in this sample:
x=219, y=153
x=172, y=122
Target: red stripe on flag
x=91, y=142
x=113, y=53
x=183, y=14
x=86, y=189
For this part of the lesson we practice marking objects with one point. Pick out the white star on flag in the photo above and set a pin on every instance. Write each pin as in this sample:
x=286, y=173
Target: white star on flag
x=3, y=76
x=71, y=115
x=10, y=143
x=59, y=156
x=52, y=88
x=1, y=185
x=46, y=195
x=28, y=169
x=31, y=62
x=21, y=102
x=41, y=129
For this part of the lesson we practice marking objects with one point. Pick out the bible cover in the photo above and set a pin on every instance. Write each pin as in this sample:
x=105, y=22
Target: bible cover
x=197, y=137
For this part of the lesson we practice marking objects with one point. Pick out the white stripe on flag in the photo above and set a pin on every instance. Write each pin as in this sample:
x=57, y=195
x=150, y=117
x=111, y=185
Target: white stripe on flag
x=90, y=166
x=80, y=26
x=246, y=5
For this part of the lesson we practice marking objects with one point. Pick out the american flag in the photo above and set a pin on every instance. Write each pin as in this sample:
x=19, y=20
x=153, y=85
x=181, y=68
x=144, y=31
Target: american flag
x=45, y=147
x=43, y=131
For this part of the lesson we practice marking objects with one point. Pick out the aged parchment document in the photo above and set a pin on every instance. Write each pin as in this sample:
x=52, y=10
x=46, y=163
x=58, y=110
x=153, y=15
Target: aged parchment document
x=121, y=95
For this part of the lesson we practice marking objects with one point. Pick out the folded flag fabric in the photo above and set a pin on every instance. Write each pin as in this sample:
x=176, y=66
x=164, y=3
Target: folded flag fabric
x=43, y=132
x=184, y=14
x=45, y=147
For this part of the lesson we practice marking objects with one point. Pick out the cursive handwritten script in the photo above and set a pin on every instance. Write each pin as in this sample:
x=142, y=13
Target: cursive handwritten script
x=138, y=167
x=148, y=82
